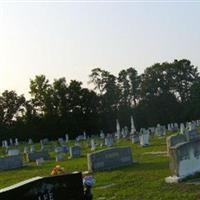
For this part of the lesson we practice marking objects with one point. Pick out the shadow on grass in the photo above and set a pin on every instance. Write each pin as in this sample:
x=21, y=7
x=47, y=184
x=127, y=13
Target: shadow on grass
x=146, y=166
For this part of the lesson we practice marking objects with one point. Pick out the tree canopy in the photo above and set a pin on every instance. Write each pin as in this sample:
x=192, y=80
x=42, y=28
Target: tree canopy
x=164, y=93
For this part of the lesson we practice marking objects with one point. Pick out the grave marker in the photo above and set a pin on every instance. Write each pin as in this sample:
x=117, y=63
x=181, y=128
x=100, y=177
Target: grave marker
x=109, y=159
x=61, y=187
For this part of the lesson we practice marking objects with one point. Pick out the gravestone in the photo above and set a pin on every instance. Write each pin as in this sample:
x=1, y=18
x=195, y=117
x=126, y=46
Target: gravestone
x=32, y=149
x=16, y=142
x=108, y=140
x=184, y=160
x=135, y=138
x=42, y=147
x=61, y=187
x=59, y=149
x=126, y=132
x=93, y=146
x=30, y=141
x=192, y=135
x=109, y=159
x=45, y=141
x=59, y=157
x=39, y=161
x=182, y=128
x=6, y=144
x=84, y=135
x=174, y=140
x=64, y=149
x=11, y=162
x=33, y=156
x=102, y=135
x=61, y=141
x=75, y=151
x=169, y=127
x=133, y=129
x=11, y=142
x=118, y=134
x=13, y=152
x=144, y=137
x=26, y=149
x=66, y=138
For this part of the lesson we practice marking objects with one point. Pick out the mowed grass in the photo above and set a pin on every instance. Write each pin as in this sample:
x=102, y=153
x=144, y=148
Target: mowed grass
x=141, y=181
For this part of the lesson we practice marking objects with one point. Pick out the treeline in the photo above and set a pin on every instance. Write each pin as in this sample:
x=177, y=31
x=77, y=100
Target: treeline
x=164, y=93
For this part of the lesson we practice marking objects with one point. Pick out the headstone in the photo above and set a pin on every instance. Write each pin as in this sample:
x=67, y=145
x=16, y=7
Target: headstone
x=32, y=149
x=169, y=127
x=135, y=138
x=59, y=157
x=61, y=187
x=39, y=161
x=84, y=135
x=6, y=144
x=158, y=130
x=118, y=129
x=109, y=159
x=11, y=162
x=66, y=138
x=75, y=151
x=182, y=128
x=61, y=141
x=59, y=149
x=102, y=135
x=173, y=140
x=26, y=150
x=93, y=146
x=122, y=133
x=144, y=137
x=184, y=160
x=33, y=156
x=16, y=142
x=191, y=135
x=42, y=147
x=30, y=141
x=133, y=129
x=108, y=141
x=161, y=130
x=13, y=152
x=191, y=126
x=11, y=142
x=125, y=131
x=45, y=141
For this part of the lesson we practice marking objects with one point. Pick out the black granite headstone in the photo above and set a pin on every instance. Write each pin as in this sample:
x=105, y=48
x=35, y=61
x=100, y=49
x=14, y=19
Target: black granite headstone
x=61, y=187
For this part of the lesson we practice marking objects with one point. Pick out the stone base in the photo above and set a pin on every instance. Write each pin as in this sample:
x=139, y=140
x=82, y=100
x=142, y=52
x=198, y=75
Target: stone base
x=173, y=179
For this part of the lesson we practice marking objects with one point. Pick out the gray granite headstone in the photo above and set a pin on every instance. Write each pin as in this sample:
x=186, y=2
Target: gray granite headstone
x=75, y=151
x=13, y=152
x=109, y=159
x=37, y=155
x=59, y=157
x=11, y=162
x=192, y=135
x=174, y=140
x=184, y=160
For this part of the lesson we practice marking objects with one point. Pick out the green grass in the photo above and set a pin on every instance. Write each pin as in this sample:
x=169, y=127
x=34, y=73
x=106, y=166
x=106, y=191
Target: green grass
x=144, y=180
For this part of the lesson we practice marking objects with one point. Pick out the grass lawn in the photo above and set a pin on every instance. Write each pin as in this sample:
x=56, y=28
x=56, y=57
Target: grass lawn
x=141, y=181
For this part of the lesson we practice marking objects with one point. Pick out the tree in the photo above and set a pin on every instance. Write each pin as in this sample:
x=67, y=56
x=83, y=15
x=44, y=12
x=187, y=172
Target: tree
x=129, y=82
x=42, y=95
x=183, y=75
x=11, y=107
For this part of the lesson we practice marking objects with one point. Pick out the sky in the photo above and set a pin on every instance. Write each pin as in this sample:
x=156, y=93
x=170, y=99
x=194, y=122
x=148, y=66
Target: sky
x=68, y=39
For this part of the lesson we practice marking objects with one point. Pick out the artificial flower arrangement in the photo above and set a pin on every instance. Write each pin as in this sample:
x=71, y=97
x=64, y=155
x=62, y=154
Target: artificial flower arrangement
x=57, y=170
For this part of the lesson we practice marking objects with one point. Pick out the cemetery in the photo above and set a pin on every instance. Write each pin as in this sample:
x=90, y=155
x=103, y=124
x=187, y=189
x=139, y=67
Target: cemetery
x=125, y=165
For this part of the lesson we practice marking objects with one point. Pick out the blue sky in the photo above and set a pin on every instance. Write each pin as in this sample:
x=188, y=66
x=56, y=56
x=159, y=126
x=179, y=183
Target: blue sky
x=69, y=39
